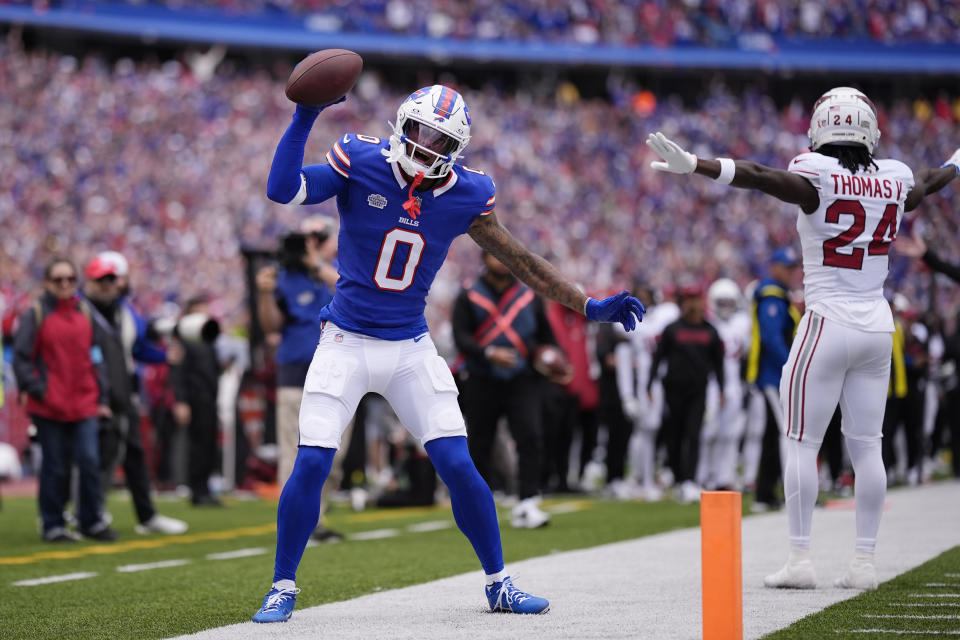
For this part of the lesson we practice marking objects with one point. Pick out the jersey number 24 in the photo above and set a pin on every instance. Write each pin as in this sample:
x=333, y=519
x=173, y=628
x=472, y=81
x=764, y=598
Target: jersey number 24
x=883, y=235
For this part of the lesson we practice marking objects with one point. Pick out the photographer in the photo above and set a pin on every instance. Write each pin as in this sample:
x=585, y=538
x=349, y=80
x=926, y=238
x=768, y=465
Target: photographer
x=289, y=300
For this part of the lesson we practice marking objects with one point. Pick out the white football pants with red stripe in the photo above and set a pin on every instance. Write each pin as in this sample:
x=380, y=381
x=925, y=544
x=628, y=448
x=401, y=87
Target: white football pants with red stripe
x=832, y=363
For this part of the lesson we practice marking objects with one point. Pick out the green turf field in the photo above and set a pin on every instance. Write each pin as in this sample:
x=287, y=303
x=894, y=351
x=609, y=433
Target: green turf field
x=203, y=592
x=913, y=605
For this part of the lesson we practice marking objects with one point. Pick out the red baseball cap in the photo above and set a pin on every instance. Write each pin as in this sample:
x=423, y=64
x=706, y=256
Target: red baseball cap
x=98, y=267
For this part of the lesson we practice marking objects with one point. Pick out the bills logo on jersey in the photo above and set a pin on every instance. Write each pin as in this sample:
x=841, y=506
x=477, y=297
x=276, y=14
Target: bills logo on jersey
x=376, y=200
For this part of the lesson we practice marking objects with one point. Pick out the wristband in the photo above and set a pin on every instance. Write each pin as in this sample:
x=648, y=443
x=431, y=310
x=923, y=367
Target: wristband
x=727, y=171
x=950, y=164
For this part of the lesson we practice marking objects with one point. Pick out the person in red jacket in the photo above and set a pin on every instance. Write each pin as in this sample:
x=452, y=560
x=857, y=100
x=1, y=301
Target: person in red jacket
x=56, y=361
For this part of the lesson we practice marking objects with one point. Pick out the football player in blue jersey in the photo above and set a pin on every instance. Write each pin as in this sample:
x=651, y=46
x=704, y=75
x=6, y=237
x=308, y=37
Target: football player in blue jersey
x=401, y=201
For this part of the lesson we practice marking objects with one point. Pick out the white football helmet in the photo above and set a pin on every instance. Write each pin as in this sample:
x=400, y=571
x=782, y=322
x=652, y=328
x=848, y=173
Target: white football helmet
x=844, y=115
x=724, y=298
x=431, y=131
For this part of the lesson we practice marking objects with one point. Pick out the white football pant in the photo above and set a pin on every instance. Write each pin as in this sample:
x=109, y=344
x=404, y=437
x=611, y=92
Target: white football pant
x=407, y=373
x=832, y=363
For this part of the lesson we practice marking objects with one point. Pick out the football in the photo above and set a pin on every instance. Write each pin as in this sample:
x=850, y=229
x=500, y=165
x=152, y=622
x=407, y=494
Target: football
x=552, y=363
x=324, y=77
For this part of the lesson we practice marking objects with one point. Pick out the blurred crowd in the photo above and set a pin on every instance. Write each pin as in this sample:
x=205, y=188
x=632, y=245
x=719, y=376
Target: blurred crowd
x=166, y=163
x=749, y=23
x=169, y=167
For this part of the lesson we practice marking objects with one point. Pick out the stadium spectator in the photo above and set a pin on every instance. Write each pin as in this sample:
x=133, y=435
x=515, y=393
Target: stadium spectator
x=120, y=438
x=775, y=320
x=571, y=408
x=905, y=406
x=692, y=350
x=58, y=362
x=498, y=323
x=610, y=412
x=195, y=383
x=289, y=303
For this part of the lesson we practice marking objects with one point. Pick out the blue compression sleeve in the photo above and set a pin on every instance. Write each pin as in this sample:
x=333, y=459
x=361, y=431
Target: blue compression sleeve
x=284, y=181
x=473, y=507
x=299, y=509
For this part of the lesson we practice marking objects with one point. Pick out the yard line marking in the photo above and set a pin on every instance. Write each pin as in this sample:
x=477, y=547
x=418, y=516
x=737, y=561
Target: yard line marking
x=134, y=545
x=951, y=575
x=431, y=525
x=239, y=553
x=899, y=616
x=568, y=507
x=933, y=595
x=393, y=514
x=51, y=579
x=899, y=632
x=163, y=564
x=376, y=534
x=942, y=584
x=923, y=604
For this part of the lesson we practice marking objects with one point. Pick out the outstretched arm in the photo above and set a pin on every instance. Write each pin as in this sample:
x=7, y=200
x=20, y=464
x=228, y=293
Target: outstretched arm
x=289, y=181
x=540, y=275
x=915, y=247
x=543, y=277
x=927, y=181
x=784, y=185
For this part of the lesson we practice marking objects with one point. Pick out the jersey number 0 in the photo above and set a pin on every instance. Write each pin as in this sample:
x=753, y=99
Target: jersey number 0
x=388, y=251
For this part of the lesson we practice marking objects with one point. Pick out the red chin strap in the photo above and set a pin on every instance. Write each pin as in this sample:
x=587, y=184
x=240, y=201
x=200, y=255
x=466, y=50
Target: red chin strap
x=411, y=206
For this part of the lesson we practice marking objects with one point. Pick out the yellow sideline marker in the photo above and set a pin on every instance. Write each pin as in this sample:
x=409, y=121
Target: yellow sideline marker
x=720, y=514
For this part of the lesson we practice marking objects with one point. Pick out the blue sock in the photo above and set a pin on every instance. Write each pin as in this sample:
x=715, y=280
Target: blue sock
x=299, y=509
x=473, y=507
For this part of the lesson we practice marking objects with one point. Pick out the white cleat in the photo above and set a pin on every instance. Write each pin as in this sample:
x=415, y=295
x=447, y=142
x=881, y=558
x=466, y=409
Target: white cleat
x=860, y=575
x=527, y=514
x=793, y=575
x=162, y=524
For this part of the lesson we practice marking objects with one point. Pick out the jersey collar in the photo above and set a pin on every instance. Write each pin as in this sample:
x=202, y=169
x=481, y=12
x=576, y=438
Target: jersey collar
x=437, y=192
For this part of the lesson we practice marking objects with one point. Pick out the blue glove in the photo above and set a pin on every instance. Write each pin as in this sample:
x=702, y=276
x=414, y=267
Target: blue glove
x=313, y=112
x=619, y=308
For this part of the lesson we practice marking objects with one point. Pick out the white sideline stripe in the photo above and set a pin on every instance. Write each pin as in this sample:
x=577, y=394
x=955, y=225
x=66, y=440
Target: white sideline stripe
x=923, y=604
x=376, y=534
x=900, y=632
x=662, y=572
x=51, y=579
x=942, y=584
x=900, y=616
x=239, y=553
x=132, y=568
x=933, y=595
x=434, y=525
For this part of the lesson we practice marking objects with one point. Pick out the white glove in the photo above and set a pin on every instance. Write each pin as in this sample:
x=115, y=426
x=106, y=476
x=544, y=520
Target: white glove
x=954, y=160
x=631, y=408
x=676, y=159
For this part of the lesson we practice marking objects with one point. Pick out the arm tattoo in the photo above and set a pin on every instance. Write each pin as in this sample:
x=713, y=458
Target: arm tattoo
x=537, y=273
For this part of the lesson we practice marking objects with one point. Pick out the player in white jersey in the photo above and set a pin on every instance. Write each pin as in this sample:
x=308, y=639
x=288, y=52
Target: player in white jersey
x=633, y=357
x=851, y=209
x=720, y=438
